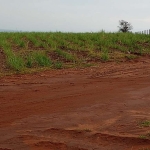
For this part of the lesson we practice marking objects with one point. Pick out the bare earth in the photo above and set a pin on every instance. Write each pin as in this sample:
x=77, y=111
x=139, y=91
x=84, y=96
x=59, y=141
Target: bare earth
x=97, y=108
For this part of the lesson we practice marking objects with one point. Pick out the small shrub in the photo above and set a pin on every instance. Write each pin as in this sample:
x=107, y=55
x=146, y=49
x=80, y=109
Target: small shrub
x=105, y=56
x=58, y=65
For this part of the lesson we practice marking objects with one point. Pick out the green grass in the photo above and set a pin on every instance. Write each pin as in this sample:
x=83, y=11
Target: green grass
x=24, y=51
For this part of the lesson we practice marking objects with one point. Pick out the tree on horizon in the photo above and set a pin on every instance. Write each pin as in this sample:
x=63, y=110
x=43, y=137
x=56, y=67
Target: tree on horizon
x=124, y=26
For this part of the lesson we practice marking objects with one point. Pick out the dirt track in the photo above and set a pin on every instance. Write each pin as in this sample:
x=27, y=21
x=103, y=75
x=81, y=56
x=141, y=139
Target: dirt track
x=97, y=108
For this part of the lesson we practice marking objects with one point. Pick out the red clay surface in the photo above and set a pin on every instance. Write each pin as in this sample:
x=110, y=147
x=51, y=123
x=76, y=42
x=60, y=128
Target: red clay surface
x=97, y=108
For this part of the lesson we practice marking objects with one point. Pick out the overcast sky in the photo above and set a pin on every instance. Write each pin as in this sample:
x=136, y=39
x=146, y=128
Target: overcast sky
x=73, y=15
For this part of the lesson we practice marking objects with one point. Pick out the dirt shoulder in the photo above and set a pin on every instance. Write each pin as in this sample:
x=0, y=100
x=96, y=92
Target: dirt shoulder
x=77, y=109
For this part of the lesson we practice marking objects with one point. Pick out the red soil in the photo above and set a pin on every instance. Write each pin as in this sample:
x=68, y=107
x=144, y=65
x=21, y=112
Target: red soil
x=97, y=108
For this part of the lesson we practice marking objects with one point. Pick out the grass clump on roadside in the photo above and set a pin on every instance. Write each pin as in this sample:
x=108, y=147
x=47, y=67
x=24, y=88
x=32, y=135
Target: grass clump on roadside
x=145, y=136
x=145, y=123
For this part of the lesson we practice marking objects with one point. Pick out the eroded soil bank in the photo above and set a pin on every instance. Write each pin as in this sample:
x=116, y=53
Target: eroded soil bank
x=98, y=108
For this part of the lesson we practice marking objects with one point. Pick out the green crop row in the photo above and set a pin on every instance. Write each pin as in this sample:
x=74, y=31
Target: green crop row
x=57, y=50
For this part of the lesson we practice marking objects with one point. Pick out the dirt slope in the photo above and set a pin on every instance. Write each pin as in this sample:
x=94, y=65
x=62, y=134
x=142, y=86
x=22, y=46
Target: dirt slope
x=97, y=108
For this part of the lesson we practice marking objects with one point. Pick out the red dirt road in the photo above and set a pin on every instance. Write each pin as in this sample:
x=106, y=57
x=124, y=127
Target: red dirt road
x=97, y=108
